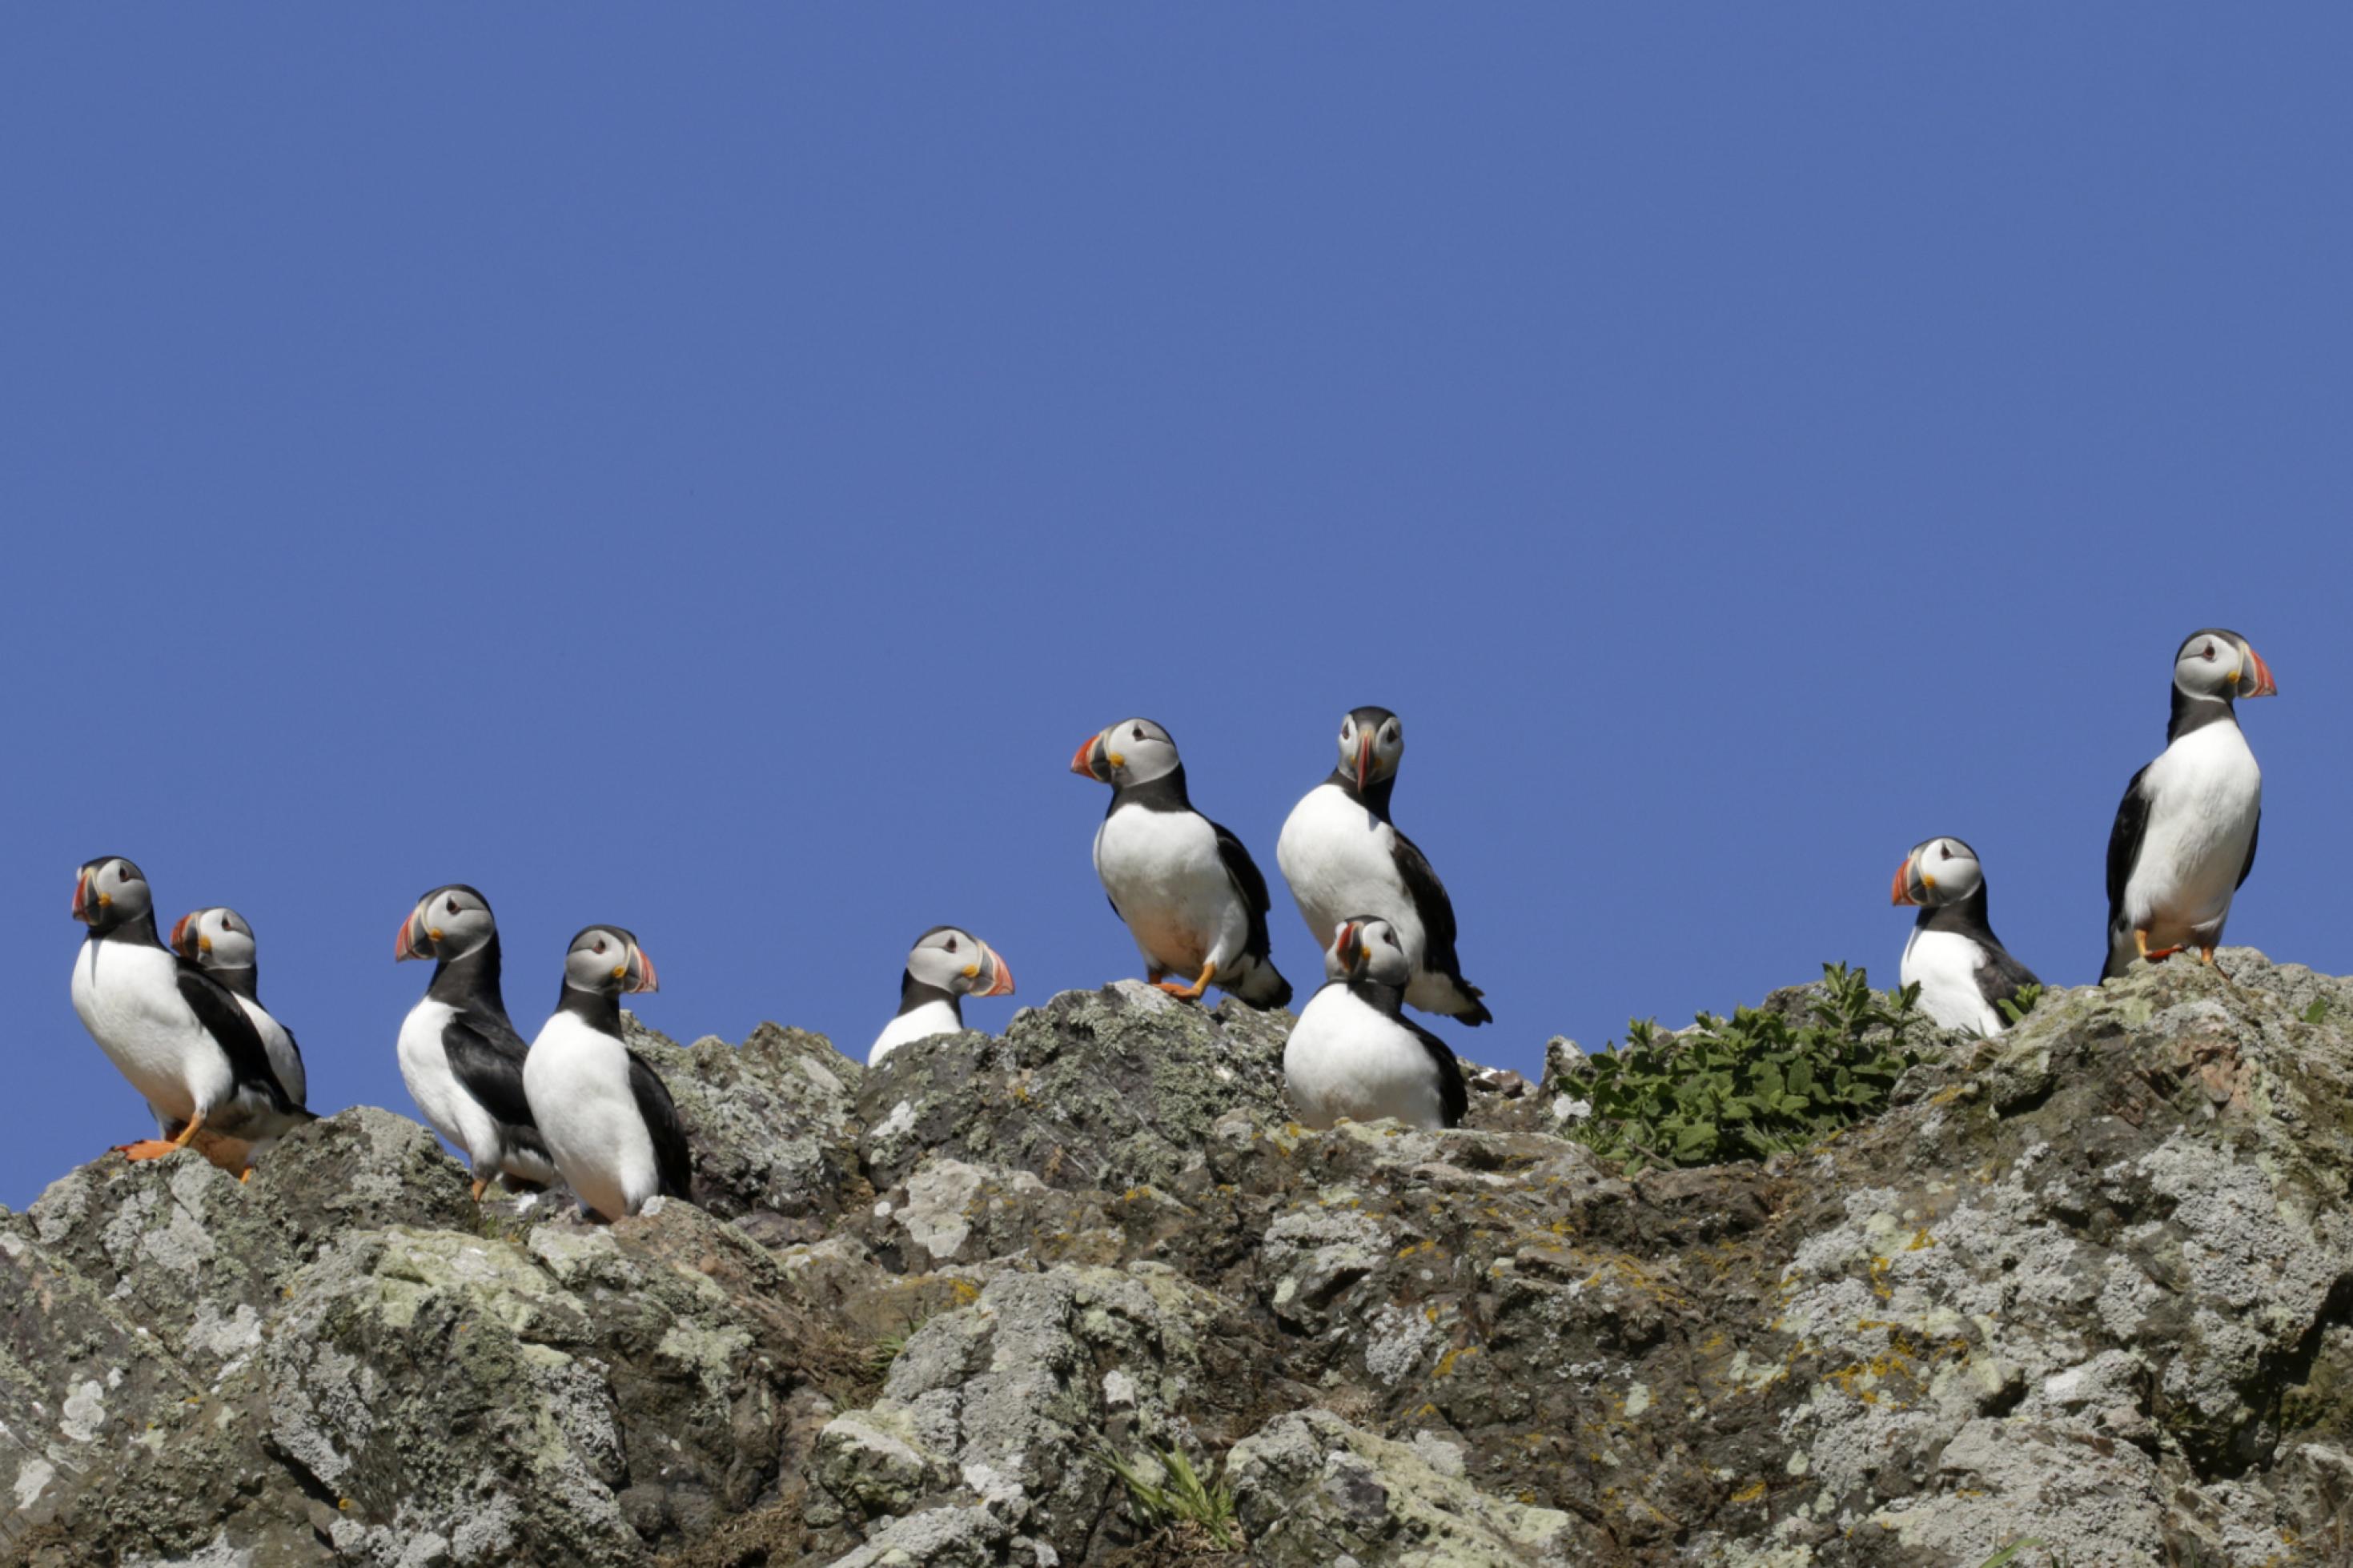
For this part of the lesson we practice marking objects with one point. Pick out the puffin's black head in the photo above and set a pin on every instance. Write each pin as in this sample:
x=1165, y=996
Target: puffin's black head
x=1365, y=947
x=216, y=938
x=1938, y=871
x=1132, y=751
x=2218, y=664
x=1372, y=743
x=447, y=922
x=606, y=960
x=950, y=959
x=110, y=891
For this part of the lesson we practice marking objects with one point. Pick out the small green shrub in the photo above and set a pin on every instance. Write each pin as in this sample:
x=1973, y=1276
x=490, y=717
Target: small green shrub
x=2317, y=1011
x=1748, y=1085
x=2019, y=1004
x=1181, y=1501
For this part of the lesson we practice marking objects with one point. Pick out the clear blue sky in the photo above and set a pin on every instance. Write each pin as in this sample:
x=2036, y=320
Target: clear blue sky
x=705, y=470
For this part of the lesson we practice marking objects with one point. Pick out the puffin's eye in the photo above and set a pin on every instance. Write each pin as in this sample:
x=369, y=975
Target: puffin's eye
x=1139, y=729
x=2207, y=652
x=453, y=906
x=1389, y=937
x=124, y=873
x=600, y=944
x=952, y=947
x=1947, y=853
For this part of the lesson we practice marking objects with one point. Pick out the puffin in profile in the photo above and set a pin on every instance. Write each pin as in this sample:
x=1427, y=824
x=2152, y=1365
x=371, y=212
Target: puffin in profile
x=606, y=1116
x=220, y=942
x=1962, y=971
x=1343, y=856
x=2184, y=839
x=175, y=1032
x=1355, y=1054
x=459, y=1056
x=1193, y=900
x=948, y=965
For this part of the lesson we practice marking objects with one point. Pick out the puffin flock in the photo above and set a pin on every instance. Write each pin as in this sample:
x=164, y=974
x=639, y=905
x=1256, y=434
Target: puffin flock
x=184, y=1022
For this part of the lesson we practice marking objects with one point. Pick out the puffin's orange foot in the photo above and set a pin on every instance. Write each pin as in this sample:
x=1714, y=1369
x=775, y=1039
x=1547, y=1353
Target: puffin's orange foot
x=146, y=1148
x=1190, y=993
x=2159, y=954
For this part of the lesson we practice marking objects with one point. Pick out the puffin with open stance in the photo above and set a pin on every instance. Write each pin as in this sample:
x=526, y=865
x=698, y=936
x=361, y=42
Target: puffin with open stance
x=2184, y=839
x=459, y=1056
x=1964, y=973
x=606, y=1116
x=176, y=1033
x=946, y=965
x=220, y=942
x=1355, y=1054
x=1341, y=855
x=1192, y=898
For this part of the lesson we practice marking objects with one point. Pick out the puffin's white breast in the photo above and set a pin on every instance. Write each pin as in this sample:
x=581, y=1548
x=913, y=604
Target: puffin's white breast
x=933, y=1018
x=1944, y=964
x=1340, y=860
x=577, y=1081
x=447, y=1108
x=1346, y=1058
x=1163, y=869
x=2205, y=792
x=128, y=995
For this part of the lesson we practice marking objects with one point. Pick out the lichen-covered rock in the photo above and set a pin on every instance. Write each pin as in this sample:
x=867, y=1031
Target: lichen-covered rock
x=2089, y=1283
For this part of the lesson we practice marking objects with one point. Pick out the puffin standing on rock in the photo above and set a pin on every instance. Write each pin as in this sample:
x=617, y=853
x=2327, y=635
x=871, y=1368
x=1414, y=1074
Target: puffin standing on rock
x=1962, y=971
x=1192, y=898
x=606, y=1116
x=459, y=1056
x=175, y=1032
x=1343, y=856
x=2184, y=839
x=220, y=942
x=1355, y=1054
x=946, y=965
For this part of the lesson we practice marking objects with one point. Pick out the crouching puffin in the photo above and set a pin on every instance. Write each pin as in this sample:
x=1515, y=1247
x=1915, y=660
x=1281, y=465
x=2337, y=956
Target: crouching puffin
x=461, y=1057
x=175, y=1032
x=1355, y=1054
x=946, y=965
x=220, y=942
x=1341, y=855
x=1193, y=900
x=607, y=1118
x=2184, y=839
x=1964, y=973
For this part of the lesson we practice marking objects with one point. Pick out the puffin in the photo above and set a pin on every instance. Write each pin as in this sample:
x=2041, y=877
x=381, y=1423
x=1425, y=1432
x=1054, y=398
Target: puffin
x=175, y=1032
x=1190, y=894
x=220, y=942
x=1355, y=1054
x=1962, y=971
x=2184, y=839
x=1340, y=852
x=606, y=1116
x=946, y=964
x=461, y=1057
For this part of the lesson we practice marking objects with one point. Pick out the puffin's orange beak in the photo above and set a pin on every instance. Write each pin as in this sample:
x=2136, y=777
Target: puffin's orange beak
x=1901, y=893
x=1090, y=760
x=1001, y=983
x=412, y=934
x=1363, y=759
x=182, y=942
x=82, y=895
x=641, y=975
x=2264, y=685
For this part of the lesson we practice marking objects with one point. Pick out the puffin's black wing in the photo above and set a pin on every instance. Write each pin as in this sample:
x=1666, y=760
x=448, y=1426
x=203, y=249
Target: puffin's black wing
x=226, y=1021
x=2254, y=835
x=2123, y=854
x=1436, y=912
x=1453, y=1095
x=296, y=1046
x=2000, y=975
x=1250, y=881
x=486, y=1057
x=660, y=1113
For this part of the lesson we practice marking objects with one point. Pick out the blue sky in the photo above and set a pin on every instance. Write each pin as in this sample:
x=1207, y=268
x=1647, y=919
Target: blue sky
x=706, y=470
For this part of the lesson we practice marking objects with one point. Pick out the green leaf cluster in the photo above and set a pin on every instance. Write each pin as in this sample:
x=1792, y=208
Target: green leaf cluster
x=1756, y=1083
x=1181, y=1499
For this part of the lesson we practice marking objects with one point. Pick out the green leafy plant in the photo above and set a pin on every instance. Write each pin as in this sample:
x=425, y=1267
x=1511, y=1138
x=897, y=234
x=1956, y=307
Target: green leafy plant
x=1751, y=1085
x=2317, y=1011
x=1180, y=1500
x=2009, y=1552
x=886, y=1349
x=2019, y=1003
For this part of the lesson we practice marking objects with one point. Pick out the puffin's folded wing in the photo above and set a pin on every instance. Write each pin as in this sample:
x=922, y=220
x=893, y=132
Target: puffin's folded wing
x=1431, y=906
x=225, y=1019
x=1453, y=1095
x=660, y=1113
x=488, y=1064
x=2254, y=834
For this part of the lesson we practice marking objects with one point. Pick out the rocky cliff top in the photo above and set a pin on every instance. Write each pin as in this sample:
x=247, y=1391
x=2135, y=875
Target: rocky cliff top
x=2089, y=1284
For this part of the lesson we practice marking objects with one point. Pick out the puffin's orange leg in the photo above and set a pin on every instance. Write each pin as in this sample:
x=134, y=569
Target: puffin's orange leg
x=481, y=1184
x=156, y=1148
x=1191, y=992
